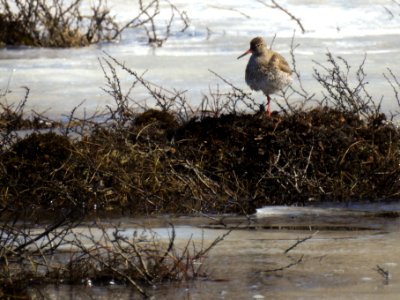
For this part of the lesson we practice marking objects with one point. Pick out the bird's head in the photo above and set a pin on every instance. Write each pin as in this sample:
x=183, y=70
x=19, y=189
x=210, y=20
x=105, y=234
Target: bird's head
x=256, y=46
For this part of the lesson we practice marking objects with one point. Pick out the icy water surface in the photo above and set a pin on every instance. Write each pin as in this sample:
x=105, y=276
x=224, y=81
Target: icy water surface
x=60, y=79
x=339, y=261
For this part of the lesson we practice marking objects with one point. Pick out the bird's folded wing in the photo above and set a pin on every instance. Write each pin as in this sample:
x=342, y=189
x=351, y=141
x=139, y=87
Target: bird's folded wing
x=279, y=62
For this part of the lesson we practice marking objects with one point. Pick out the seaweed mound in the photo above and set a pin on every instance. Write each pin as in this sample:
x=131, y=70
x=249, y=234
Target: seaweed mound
x=231, y=163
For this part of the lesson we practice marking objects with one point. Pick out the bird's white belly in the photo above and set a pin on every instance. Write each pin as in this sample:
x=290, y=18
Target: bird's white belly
x=269, y=83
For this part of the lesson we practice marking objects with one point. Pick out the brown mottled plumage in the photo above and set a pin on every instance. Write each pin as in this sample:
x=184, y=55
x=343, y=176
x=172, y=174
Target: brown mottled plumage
x=266, y=70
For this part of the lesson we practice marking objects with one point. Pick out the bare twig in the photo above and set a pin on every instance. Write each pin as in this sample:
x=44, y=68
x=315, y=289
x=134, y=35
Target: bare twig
x=303, y=92
x=300, y=242
x=394, y=83
x=165, y=99
x=341, y=92
x=231, y=9
x=239, y=94
x=384, y=273
x=287, y=266
x=67, y=128
x=151, y=11
x=275, y=5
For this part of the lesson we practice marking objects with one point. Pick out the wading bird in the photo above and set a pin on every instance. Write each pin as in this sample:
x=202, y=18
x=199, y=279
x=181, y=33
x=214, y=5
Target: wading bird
x=266, y=70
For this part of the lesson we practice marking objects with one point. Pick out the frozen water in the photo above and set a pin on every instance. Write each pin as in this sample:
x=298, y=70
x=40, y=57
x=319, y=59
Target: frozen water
x=60, y=79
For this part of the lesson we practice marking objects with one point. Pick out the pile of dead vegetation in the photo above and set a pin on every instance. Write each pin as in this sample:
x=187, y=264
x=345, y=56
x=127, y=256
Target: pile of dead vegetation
x=231, y=163
x=216, y=159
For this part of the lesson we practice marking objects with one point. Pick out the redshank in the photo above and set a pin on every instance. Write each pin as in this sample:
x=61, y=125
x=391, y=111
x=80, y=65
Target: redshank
x=266, y=70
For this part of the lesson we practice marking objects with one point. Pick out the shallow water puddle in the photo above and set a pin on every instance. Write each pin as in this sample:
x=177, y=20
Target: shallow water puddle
x=341, y=258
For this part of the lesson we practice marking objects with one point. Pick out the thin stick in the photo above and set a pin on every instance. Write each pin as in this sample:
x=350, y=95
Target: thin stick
x=287, y=266
x=299, y=242
x=293, y=17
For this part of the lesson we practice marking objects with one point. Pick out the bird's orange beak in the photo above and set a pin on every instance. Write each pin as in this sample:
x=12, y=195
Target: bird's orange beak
x=247, y=52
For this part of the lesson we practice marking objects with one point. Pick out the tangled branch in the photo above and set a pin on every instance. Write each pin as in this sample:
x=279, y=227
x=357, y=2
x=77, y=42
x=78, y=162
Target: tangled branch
x=275, y=5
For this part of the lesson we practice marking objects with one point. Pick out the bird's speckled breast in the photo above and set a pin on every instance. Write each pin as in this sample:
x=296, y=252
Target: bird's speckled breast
x=262, y=76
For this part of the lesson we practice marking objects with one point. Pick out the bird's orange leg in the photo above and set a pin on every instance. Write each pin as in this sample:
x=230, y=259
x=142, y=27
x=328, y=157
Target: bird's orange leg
x=269, y=105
